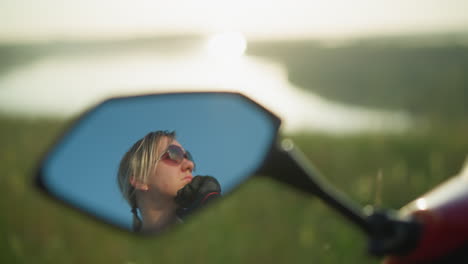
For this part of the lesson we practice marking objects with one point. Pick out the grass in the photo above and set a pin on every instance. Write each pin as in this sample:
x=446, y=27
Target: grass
x=262, y=221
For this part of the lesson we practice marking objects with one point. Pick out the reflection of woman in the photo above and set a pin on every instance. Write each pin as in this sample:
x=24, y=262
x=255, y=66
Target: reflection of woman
x=155, y=177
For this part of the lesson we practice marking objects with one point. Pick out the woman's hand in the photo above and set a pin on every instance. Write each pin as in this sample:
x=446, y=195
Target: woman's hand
x=196, y=194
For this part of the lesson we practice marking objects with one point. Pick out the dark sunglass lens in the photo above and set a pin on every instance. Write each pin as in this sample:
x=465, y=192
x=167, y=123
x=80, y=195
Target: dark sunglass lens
x=175, y=153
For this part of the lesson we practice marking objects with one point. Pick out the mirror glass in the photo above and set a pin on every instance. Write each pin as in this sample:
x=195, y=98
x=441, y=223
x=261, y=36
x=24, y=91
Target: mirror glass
x=227, y=134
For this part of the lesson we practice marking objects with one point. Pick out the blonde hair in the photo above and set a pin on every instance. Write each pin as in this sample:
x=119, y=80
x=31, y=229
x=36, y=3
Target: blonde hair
x=136, y=165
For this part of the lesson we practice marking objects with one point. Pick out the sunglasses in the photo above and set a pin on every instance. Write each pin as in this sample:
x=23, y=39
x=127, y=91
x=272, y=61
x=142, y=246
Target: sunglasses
x=176, y=154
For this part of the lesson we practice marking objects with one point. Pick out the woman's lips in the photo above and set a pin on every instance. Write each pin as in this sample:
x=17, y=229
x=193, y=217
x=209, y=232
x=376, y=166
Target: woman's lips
x=188, y=178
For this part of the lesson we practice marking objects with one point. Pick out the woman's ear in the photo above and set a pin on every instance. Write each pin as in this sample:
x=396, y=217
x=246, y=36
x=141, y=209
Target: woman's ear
x=137, y=184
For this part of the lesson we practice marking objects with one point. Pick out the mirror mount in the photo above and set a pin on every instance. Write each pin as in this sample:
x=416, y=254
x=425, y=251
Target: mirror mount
x=391, y=235
x=386, y=232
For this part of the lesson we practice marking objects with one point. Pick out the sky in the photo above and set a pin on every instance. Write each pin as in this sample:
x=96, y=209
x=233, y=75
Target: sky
x=55, y=19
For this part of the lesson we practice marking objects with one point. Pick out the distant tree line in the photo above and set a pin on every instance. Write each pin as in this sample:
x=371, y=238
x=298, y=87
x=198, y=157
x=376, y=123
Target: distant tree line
x=423, y=79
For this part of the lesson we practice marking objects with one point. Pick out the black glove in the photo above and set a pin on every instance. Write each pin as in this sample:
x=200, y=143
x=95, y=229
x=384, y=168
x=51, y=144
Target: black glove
x=196, y=194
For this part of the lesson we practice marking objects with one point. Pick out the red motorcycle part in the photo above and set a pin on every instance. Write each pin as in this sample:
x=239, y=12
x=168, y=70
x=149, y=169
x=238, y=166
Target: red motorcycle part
x=443, y=213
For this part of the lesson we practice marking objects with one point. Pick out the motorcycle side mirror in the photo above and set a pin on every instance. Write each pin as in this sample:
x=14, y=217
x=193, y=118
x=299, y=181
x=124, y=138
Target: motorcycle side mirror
x=230, y=138
x=228, y=135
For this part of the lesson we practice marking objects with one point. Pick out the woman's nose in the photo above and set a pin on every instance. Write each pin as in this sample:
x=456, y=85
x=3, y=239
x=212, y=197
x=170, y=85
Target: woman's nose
x=188, y=165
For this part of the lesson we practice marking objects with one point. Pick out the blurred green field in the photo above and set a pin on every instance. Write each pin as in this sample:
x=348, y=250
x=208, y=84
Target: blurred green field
x=262, y=222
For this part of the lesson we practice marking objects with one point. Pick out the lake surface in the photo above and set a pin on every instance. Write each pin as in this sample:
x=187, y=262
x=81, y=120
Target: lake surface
x=63, y=85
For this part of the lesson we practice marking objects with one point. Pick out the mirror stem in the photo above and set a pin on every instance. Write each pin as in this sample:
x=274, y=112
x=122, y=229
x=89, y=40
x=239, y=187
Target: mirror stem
x=386, y=232
x=289, y=165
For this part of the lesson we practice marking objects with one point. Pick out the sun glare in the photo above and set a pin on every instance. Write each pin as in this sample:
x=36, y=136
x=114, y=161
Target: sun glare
x=227, y=45
x=421, y=204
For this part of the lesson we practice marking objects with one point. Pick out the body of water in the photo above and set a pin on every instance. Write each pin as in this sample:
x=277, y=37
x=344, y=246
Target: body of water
x=64, y=85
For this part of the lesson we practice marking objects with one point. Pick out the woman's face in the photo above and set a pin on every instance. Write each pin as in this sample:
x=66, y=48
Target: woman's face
x=169, y=177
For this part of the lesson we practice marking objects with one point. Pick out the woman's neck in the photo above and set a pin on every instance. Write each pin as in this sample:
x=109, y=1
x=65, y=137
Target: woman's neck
x=157, y=215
